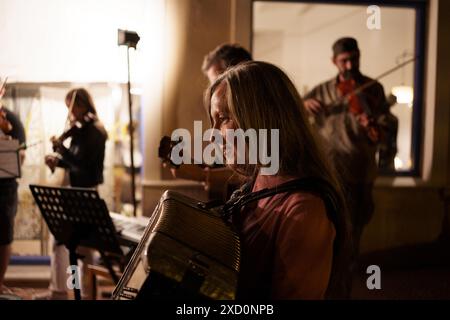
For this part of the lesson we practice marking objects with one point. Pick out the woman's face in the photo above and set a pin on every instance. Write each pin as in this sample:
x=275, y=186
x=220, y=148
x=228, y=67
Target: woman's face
x=222, y=121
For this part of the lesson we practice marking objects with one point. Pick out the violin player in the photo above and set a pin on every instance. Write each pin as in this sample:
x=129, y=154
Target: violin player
x=351, y=131
x=10, y=128
x=84, y=158
x=219, y=182
x=84, y=162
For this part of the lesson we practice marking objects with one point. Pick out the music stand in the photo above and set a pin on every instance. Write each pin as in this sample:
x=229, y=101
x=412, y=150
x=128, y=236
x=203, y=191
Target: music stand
x=78, y=217
x=9, y=159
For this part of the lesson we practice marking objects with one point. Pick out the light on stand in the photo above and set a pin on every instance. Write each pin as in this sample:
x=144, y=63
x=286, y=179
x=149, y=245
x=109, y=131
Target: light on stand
x=130, y=39
x=404, y=94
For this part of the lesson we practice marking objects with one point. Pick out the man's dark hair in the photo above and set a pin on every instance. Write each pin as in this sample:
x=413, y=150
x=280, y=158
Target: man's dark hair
x=346, y=44
x=227, y=54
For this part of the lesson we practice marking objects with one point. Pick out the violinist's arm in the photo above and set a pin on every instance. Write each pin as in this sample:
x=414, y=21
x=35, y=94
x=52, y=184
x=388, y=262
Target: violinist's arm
x=90, y=153
x=67, y=159
x=187, y=171
x=312, y=101
x=313, y=105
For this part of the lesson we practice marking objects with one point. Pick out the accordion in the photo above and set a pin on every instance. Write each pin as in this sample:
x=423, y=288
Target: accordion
x=187, y=251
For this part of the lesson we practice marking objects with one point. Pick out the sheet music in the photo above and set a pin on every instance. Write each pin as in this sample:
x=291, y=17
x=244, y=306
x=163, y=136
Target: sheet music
x=9, y=159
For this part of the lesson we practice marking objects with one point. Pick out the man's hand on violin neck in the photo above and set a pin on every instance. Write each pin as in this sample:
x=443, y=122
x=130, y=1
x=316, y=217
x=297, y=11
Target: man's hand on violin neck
x=313, y=105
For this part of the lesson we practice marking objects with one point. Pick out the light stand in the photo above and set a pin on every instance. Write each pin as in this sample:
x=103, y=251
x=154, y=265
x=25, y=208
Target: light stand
x=130, y=39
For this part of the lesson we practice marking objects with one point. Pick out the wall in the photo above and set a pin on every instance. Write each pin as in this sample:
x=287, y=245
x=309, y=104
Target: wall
x=71, y=40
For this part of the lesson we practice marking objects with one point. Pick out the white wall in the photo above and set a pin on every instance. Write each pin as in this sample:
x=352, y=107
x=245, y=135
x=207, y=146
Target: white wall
x=72, y=40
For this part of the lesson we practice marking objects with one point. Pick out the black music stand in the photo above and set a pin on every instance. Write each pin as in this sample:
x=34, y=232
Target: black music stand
x=78, y=217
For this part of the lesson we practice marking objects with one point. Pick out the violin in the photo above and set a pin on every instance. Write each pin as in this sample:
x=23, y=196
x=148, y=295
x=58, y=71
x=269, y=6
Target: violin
x=76, y=126
x=355, y=101
x=357, y=105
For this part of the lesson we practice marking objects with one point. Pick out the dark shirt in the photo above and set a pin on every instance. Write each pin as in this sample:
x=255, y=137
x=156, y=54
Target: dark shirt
x=84, y=158
x=18, y=133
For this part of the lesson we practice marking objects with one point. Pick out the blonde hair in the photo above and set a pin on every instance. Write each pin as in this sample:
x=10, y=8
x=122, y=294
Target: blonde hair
x=261, y=96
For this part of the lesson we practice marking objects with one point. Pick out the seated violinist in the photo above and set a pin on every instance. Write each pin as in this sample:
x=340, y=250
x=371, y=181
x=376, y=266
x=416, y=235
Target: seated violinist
x=348, y=119
x=219, y=182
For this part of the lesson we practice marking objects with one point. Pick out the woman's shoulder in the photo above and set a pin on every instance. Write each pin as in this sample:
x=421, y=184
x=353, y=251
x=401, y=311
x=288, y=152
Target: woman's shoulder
x=295, y=204
x=306, y=213
x=302, y=203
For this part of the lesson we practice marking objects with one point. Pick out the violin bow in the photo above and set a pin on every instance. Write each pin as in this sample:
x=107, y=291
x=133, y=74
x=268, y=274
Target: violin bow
x=72, y=102
x=384, y=74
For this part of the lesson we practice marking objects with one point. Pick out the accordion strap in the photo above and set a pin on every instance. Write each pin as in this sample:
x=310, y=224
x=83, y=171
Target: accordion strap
x=316, y=186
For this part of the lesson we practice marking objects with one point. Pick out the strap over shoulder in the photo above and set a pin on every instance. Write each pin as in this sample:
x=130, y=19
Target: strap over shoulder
x=316, y=186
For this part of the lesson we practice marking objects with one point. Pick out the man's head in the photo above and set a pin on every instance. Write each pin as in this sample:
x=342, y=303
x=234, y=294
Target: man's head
x=223, y=57
x=346, y=57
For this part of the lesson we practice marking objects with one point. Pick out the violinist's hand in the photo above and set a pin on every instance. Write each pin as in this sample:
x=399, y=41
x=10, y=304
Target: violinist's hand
x=55, y=142
x=372, y=132
x=313, y=105
x=51, y=162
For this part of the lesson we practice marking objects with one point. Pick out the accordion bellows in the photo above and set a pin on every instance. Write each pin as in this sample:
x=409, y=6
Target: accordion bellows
x=186, y=251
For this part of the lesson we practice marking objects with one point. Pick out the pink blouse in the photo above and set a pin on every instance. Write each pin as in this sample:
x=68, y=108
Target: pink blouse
x=287, y=245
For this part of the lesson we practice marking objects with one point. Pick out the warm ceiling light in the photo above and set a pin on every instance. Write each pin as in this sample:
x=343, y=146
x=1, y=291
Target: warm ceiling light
x=404, y=94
